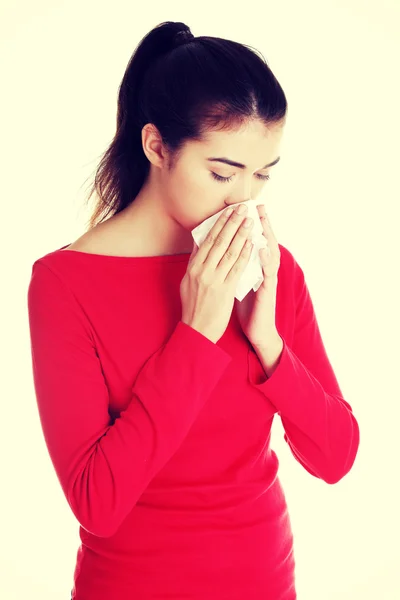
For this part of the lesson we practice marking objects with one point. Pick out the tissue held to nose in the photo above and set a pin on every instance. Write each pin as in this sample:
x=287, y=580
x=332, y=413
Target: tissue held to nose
x=208, y=286
x=252, y=276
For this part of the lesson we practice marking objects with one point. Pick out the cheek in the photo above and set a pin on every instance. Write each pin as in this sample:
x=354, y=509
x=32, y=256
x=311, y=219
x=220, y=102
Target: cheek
x=185, y=202
x=196, y=197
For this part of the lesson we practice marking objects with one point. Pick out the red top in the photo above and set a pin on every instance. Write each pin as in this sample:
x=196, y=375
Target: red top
x=161, y=439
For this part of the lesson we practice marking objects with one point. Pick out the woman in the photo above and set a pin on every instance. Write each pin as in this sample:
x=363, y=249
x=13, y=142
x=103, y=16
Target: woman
x=156, y=390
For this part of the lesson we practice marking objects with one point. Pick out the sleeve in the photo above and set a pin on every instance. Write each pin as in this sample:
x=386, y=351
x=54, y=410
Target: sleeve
x=104, y=468
x=320, y=427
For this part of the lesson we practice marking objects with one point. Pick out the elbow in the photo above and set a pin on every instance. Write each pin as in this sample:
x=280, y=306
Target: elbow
x=347, y=459
x=102, y=530
x=98, y=523
x=334, y=476
x=99, y=514
x=99, y=526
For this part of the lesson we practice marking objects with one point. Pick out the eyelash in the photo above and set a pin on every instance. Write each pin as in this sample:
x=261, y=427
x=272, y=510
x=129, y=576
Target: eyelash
x=227, y=179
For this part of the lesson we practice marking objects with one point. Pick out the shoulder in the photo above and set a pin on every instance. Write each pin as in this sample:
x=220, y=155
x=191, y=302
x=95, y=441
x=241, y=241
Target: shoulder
x=289, y=264
x=55, y=271
x=291, y=278
x=89, y=242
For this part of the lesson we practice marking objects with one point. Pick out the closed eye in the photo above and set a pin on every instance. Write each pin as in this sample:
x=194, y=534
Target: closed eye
x=227, y=179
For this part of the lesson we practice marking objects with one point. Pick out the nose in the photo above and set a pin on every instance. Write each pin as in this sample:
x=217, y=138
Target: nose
x=233, y=203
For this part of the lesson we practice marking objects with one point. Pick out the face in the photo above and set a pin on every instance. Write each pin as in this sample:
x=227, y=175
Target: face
x=197, y=187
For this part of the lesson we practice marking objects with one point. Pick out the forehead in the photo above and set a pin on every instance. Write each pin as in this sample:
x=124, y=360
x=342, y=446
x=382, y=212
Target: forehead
x=252, y=137
x=254, y=144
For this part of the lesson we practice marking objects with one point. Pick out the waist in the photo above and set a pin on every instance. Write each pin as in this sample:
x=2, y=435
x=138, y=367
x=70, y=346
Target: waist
x=251, y=544
x=183, y=512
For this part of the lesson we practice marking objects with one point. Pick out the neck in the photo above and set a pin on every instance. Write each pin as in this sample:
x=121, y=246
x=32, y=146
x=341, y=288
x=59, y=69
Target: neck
x=159, y=233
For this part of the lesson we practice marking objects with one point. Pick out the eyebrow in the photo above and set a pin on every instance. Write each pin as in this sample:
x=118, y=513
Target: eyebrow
x=240, y=165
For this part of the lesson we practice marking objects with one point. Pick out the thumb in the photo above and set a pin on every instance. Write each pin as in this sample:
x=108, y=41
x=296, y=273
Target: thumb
x=194, y=251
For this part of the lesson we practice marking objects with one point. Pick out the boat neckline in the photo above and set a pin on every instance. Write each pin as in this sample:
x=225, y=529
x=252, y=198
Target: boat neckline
x=160, y=258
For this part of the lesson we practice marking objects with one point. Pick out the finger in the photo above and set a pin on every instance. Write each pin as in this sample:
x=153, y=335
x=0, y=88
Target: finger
x=215, y=230
x=261, y=210
x=194, y=251
x=217, y=248
x=268, y=232
x=233, y=238
x=265, y=254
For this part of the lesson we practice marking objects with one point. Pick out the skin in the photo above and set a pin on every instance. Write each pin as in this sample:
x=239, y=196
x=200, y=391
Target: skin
x=172, y=203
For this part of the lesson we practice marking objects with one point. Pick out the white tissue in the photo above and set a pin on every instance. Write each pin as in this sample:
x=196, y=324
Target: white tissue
x=252, y=276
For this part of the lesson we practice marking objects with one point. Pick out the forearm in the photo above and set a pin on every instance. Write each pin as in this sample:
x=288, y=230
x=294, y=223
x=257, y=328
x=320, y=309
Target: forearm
x=270, y=353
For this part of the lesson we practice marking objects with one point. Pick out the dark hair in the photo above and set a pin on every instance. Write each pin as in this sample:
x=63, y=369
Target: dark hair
x=185, y=86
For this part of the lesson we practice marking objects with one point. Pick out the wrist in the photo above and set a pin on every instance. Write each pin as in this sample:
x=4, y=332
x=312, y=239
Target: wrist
x=270, y=355
x=272, y=340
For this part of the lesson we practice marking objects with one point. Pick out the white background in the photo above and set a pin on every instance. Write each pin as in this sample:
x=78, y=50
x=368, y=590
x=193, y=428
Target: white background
x=333, y=201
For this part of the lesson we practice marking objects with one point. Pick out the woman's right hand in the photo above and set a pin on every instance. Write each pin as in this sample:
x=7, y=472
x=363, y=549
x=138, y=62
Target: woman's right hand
x=209, y=284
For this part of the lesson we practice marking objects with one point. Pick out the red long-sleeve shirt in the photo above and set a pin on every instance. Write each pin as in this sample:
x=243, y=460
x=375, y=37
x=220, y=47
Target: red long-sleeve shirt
x=161, y=439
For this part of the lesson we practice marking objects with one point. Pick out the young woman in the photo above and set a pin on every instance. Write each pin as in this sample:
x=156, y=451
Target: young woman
x=156, y=389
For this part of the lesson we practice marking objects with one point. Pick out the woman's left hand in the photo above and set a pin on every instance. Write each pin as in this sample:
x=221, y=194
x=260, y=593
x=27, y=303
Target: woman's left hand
x=256, y=312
